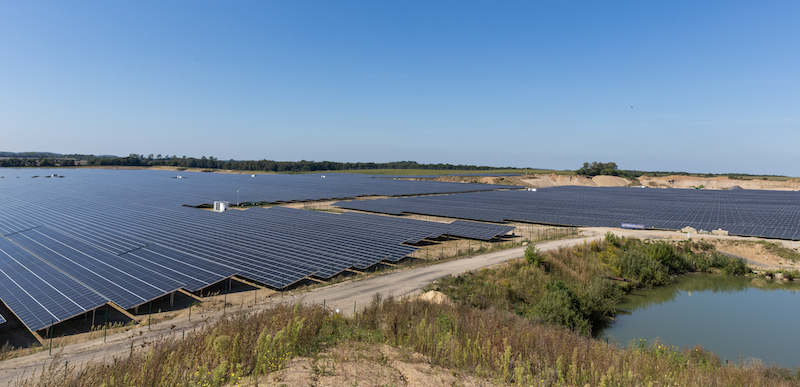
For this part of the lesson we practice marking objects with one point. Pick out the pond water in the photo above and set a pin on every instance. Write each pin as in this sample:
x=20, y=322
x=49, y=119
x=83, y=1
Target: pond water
x=735, y=317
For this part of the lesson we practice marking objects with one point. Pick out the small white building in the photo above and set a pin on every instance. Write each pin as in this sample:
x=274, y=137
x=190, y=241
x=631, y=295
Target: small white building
x=221, y=206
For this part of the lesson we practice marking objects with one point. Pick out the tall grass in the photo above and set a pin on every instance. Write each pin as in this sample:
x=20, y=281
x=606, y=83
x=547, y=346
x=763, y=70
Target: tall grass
x=243, y=349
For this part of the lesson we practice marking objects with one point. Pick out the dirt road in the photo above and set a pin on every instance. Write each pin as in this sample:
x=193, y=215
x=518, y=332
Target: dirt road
x=344, y=296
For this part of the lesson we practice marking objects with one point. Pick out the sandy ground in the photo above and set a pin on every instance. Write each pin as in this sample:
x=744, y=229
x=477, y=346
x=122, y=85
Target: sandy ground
x=718, y=183
x=365, y=364
x=687, y=182
x=553, y=180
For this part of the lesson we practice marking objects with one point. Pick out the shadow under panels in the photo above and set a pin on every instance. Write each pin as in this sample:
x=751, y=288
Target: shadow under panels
x=39, y=294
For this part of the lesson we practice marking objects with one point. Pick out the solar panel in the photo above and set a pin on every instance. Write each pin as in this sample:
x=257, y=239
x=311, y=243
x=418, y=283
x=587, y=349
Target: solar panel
x=179, y=266
x=2, y=320
x=108, y=275
x=771, y=214
x=37, y=293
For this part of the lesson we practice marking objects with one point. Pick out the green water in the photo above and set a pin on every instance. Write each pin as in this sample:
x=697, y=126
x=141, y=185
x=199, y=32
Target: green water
x=736, y=317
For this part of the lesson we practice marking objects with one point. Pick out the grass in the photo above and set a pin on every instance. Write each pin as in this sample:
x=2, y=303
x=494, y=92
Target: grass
x=781, y=251
x=244, y=349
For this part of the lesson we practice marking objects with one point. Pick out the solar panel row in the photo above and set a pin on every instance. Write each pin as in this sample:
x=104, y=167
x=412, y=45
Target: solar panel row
x=124, y=237
x=426, y=229
x=2, y=319
x=39, y=293
x=771, y=214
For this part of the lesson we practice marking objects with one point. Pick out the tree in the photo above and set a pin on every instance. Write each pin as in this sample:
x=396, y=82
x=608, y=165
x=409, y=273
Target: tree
x=596, y=168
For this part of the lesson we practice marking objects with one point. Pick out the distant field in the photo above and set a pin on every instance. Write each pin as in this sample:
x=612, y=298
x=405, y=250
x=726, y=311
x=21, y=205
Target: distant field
x=441, y=172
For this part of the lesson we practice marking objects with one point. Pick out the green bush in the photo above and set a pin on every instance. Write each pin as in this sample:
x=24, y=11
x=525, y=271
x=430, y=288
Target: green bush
x=647, y=271
x=614, y=240
x=561, y=306
x=664, y=253
x=735, y=266
x=534, y=256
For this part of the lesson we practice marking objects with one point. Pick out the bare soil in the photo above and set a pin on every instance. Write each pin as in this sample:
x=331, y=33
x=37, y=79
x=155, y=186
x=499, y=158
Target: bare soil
x=719, y=183
x=553, y=180
x=366, y=364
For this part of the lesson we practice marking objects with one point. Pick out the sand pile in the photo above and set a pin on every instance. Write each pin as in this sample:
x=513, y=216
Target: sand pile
x=436, y=298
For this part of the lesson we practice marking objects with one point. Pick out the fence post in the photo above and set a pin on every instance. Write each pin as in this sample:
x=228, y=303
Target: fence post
x=52, y=326
x=105, y=327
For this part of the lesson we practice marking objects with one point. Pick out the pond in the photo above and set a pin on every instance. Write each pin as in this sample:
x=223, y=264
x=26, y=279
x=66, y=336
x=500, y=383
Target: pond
x=735, y=317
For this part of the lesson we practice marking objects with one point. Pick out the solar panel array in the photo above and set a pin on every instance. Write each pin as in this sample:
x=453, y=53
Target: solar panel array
x=2, y=320
x=769, y=214
x=39, y=293
x=74, y=244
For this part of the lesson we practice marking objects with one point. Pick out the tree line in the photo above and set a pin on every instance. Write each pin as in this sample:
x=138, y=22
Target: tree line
x=135, y=160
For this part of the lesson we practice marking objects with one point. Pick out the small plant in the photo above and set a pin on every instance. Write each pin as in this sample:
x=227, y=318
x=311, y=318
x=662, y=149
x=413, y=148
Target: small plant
x=534, y=256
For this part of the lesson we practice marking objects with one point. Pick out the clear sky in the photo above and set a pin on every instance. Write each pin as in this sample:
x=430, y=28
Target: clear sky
x=698, y=86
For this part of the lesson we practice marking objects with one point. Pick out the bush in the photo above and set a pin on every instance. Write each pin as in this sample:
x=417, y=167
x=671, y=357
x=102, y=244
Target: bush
x=614, y=240
x=561, y=306
x=647, y=271
x=664, y=253
x=534, y=256
x=735, y=266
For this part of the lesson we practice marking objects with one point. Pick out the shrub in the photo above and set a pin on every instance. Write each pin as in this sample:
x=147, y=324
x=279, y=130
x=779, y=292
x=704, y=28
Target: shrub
x=561, y=306
x=664, y=253
x=534, y=256
x=735, y=266
x=648, y=271
x=614, y=240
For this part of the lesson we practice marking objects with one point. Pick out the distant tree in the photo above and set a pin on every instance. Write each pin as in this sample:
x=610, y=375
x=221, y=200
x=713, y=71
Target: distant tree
x=596, y=168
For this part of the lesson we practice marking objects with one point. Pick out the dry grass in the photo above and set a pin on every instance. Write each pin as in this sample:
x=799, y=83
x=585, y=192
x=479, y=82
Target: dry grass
x=246, y=349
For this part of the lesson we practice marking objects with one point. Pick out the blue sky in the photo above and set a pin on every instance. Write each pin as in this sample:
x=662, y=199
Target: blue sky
x=715, y=86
